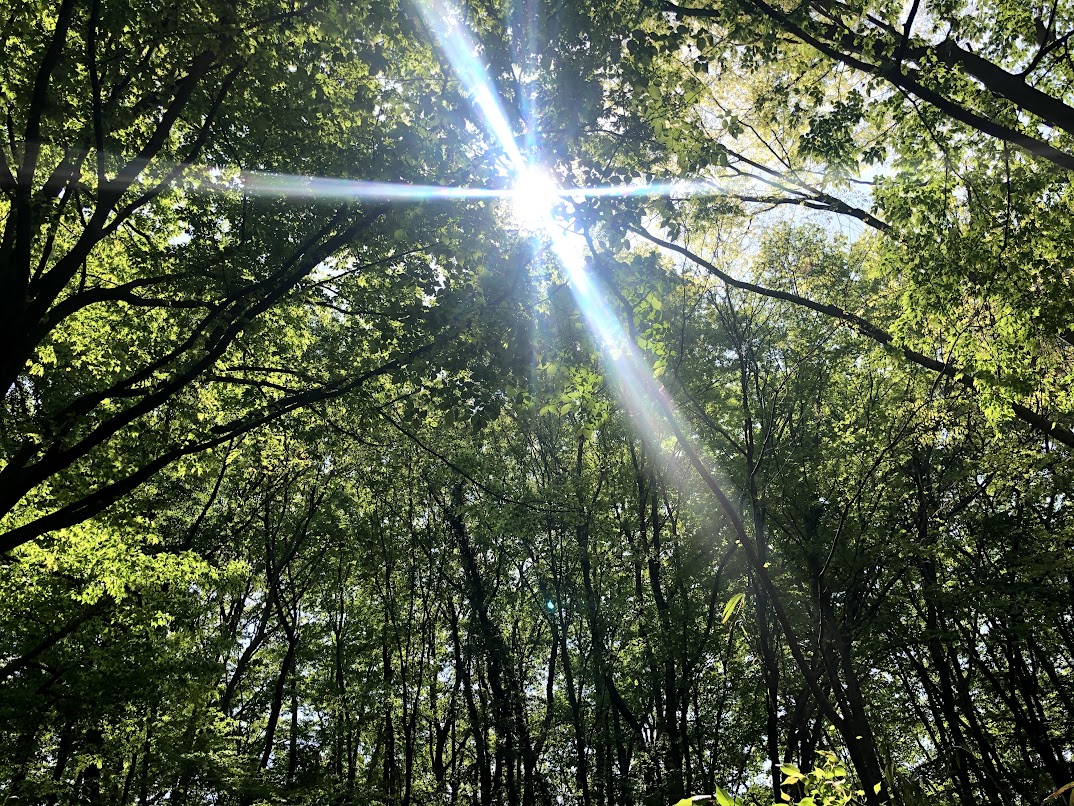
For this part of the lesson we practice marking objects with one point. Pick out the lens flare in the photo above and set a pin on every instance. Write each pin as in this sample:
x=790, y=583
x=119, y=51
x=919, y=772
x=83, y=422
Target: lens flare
x=534, y=198
x=463, y=55
x=308, y=187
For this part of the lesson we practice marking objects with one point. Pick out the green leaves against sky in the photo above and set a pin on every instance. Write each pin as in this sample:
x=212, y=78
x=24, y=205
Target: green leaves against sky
x=743, y=471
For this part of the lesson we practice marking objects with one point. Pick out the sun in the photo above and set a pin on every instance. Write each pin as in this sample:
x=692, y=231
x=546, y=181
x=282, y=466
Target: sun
x=533, y=198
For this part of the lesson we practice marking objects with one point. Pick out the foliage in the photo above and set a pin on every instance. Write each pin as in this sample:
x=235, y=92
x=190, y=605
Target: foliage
x=824, y=785
x=309, y=498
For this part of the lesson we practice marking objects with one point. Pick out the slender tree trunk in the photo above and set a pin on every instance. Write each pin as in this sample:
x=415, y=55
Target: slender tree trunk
x=147, y=751
x=63, y=756
x=508, y=706
x=292, y=739
x=276, y=707
x=477, y=725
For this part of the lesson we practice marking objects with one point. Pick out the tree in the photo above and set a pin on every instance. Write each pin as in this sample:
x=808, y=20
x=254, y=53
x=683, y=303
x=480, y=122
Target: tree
x=967, y=234
x=351, y=502
x=157, y=306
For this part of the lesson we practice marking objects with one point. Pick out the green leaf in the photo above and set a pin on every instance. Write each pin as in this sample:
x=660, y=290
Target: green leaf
x=692, y=800
x=792, y=772
x=732, y=603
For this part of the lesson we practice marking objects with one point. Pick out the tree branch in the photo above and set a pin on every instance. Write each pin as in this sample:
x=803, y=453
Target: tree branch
x=866, y=328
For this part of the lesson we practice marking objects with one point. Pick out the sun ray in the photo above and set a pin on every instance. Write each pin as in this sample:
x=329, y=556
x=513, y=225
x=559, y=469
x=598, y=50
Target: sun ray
x=532, y=186
x=306, y=187
x=462, y=55
x=535, y=196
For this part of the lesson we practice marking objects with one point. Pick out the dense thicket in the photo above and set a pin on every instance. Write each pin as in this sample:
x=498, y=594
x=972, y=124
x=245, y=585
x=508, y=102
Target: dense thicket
x=311, y=498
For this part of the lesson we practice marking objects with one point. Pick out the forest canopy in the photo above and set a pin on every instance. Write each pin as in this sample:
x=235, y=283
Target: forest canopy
x=536, y=403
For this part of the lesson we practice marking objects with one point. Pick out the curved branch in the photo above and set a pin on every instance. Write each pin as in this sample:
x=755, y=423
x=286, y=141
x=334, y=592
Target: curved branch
x=103, y=497
x=866, y=328
x=909, y=80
